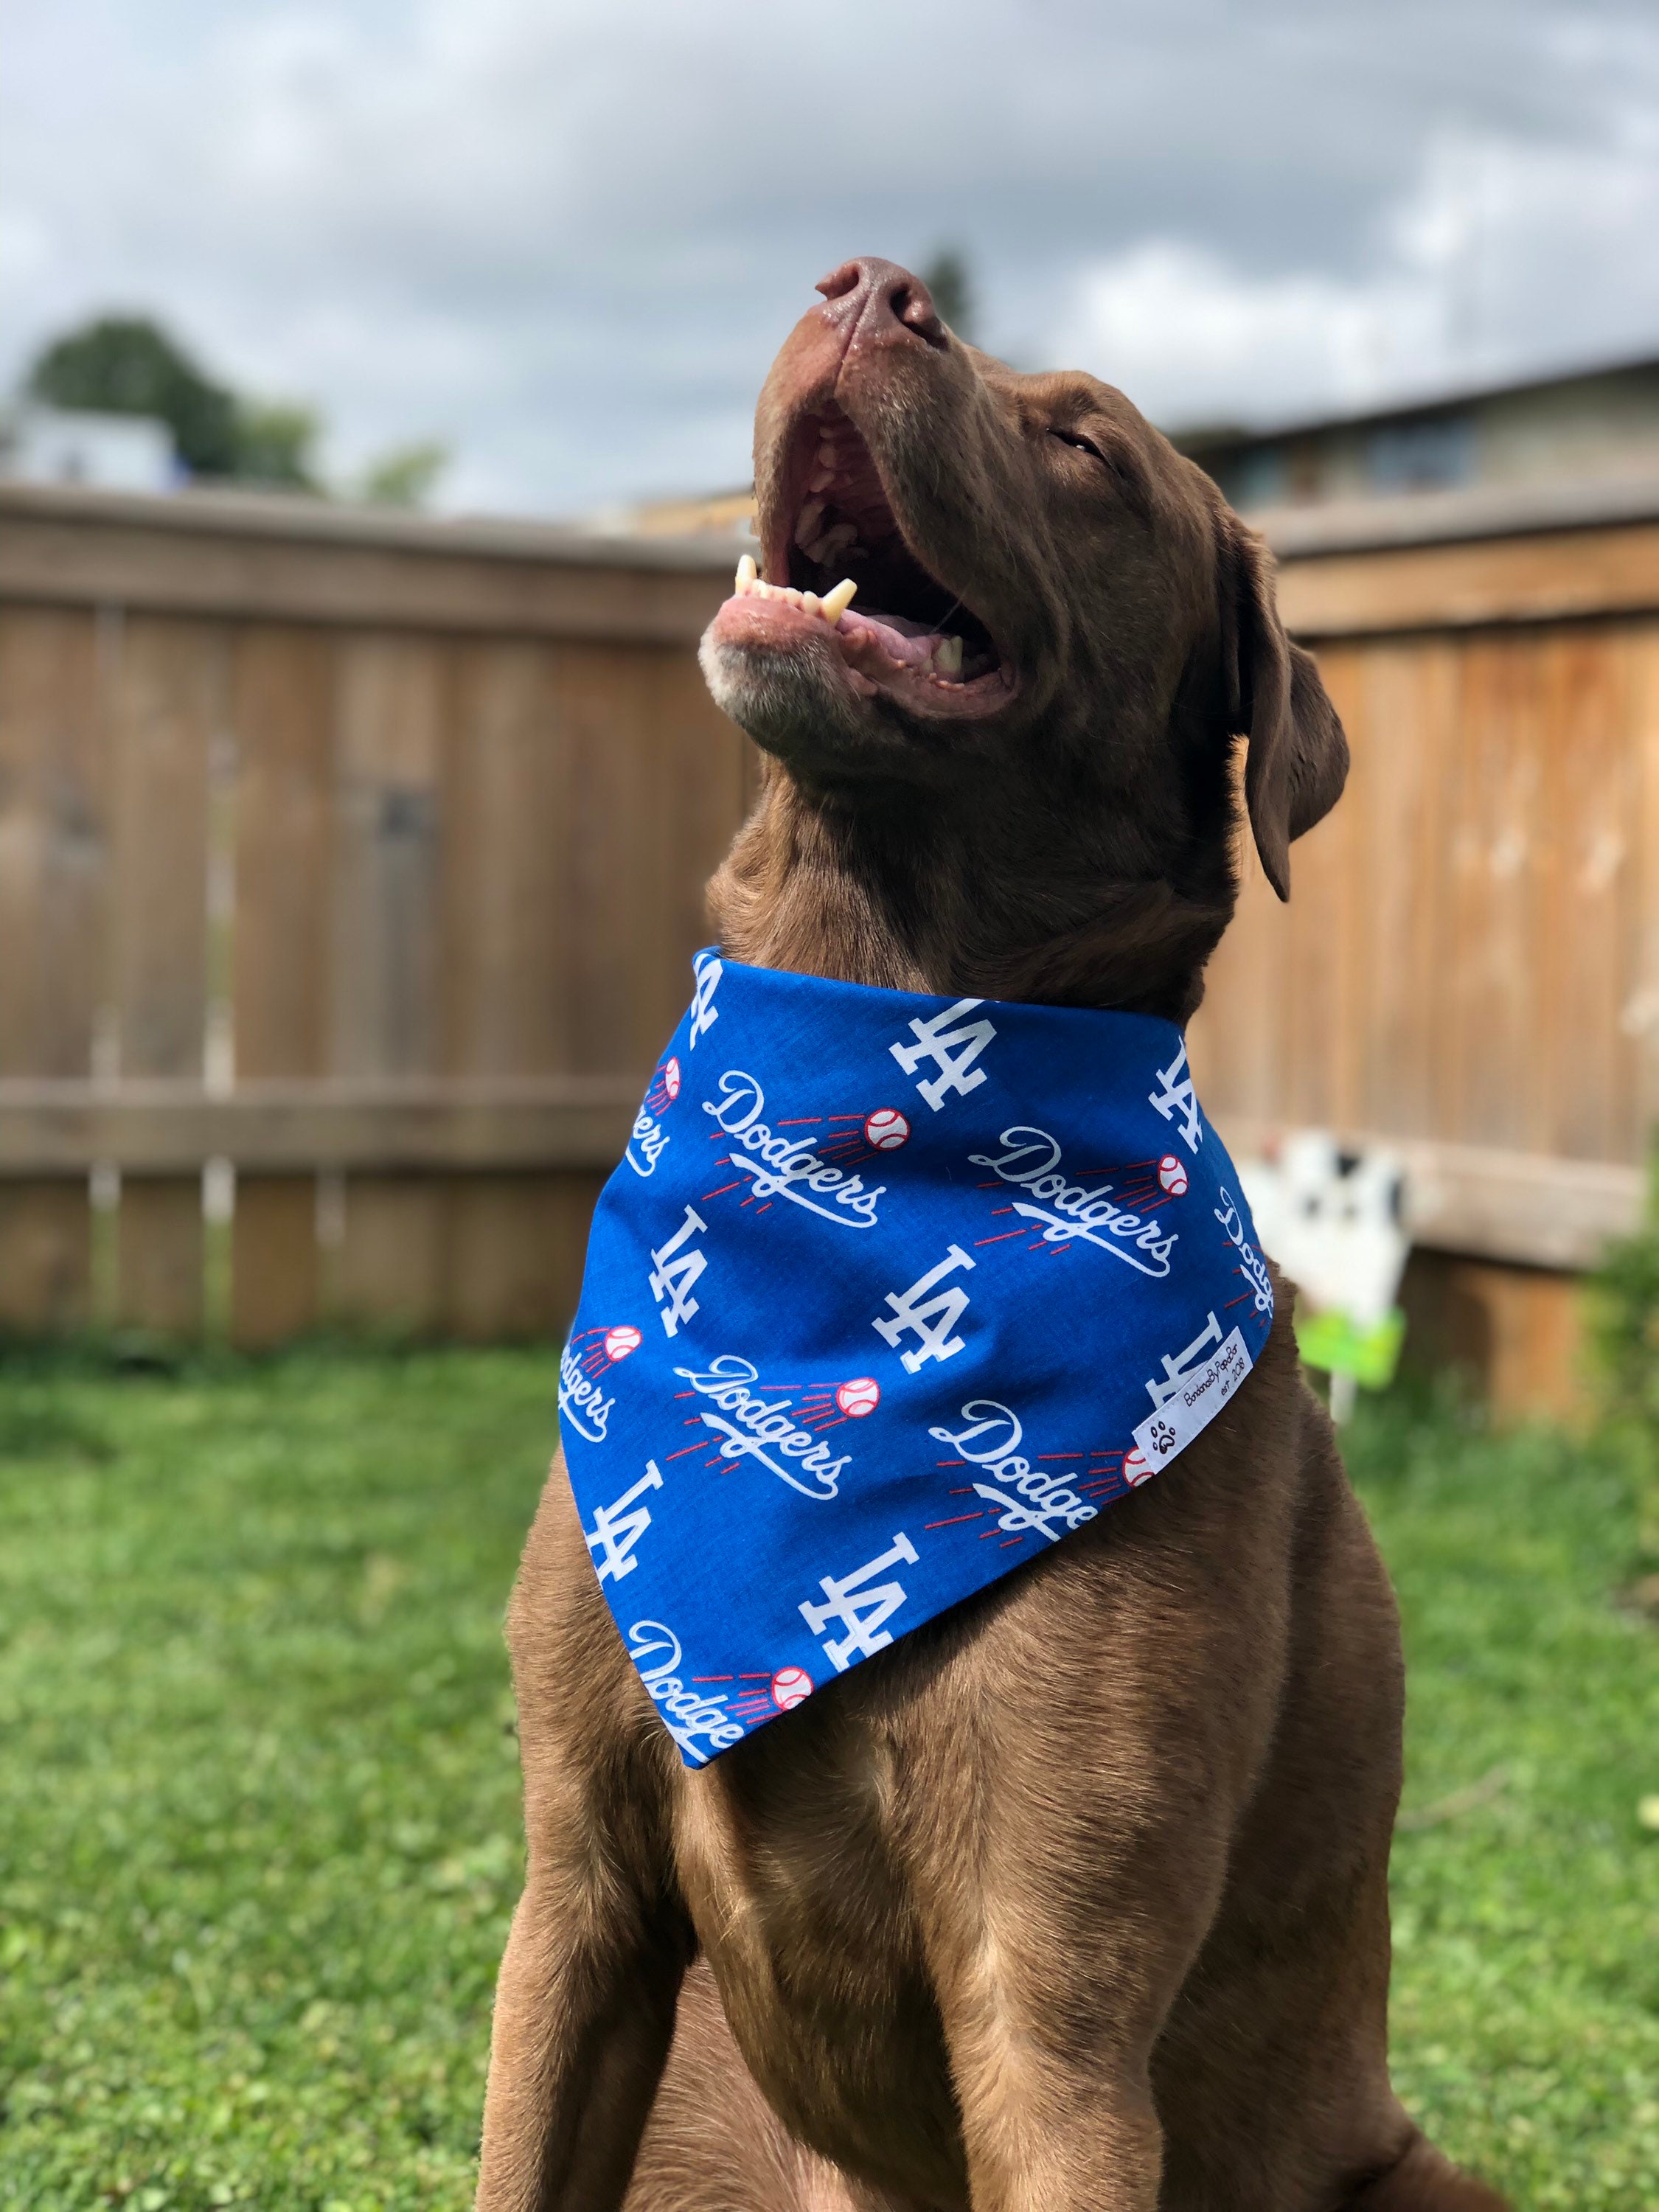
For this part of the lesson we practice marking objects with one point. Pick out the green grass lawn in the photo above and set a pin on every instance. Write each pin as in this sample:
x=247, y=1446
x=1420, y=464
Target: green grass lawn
x=259, y=1842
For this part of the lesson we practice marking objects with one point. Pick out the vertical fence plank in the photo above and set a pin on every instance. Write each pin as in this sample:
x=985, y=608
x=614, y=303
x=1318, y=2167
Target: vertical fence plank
x=1236, y=1039
x=708, y=771
x=166, y=702
x=1404, y=692
x=1587, y=1066
x=612, y=887
x=282, y=710
x=1328, y=887
x=1639, y=1015
x=506, y=973
x=385, y=1010
x=1500, y=852
x=53, y=888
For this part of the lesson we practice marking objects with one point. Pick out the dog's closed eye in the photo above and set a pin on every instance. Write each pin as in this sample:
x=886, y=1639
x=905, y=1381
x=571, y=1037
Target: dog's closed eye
x=1083, y=445
x=1118, y=466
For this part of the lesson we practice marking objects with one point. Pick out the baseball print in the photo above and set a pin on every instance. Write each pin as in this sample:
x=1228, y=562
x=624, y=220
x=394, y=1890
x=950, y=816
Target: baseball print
x=886, y=1129
x=840, y=1362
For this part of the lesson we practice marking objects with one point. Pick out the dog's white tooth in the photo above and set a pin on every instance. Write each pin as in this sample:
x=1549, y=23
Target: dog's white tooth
x=836, y=604
x=806, y=528
x=747, y=574
x=827, y=453
x=834, y=542
x=812, y=603
x=947, y=657
x=820, y=480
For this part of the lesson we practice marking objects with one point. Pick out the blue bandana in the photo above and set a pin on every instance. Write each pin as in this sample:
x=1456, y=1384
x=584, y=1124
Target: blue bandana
x=829, y=1377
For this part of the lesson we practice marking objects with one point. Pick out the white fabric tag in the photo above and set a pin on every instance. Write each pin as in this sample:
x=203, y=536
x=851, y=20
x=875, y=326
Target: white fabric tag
x=1193, y=1396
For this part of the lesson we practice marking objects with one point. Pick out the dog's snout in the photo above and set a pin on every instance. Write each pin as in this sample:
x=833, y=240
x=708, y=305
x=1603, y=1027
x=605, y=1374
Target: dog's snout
x=876, y=303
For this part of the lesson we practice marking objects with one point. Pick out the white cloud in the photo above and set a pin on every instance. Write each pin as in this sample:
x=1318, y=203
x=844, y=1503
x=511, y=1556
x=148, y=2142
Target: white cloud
x=1502, y=259
x=570, y=238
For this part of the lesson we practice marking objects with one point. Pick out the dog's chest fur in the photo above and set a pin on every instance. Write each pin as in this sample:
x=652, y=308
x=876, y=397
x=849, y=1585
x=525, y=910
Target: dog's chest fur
x=903, y=1841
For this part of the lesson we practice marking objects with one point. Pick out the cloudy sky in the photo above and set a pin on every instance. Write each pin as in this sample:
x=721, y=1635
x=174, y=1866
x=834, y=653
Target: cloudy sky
x=567, y=239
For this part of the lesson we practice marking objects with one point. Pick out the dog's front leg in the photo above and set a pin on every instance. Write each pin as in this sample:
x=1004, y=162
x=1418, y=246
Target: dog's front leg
x=600, y=1941
x=1045, y=2133
x=583, y=2022
x=1065, y=1914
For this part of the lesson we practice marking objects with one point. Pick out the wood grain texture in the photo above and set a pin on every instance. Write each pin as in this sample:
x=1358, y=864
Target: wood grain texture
x=393, y=711
x=276, y=1125
x=1470, y=955
x=237, y=574
x=275, y=1272
x=45, y=1257
x=1538, y=578
x=54, y=892
x=505, y=963
x=282, y=711
x=168, y=700
x=517, y=1246
x=479, y=786
x=1515, y=1333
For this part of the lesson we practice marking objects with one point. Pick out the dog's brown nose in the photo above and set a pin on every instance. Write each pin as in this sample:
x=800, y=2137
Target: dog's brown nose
x=876, y=302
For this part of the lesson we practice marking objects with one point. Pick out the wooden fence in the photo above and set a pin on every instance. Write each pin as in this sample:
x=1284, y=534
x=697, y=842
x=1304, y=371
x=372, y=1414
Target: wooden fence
x=1470, y=964
x=363, y=859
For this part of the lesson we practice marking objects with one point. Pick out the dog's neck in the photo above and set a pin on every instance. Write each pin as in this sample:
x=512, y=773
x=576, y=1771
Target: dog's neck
x=902, y=891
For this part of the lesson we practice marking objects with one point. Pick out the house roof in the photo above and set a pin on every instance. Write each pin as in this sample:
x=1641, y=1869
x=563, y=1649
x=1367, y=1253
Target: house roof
x=1200, y=440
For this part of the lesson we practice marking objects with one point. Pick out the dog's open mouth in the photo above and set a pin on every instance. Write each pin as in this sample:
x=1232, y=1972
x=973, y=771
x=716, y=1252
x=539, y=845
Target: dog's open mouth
x=838, y=541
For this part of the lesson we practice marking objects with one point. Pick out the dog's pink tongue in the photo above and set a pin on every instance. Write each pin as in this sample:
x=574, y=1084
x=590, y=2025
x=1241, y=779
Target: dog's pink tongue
x=878, y=643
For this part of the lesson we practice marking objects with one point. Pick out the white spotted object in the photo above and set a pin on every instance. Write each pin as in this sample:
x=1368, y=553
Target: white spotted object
x=859, y=1397
x=1172, y=1175
x=886, y=1129
x=620, y=1341
x=791, y=1686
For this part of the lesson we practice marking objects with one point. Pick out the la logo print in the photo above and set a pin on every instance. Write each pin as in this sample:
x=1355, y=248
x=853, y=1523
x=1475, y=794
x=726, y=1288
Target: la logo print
x=953, y=1044
x=1023, y=1204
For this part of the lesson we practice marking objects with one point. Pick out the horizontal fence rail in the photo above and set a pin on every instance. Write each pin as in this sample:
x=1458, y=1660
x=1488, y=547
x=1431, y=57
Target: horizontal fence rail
x=350, y=867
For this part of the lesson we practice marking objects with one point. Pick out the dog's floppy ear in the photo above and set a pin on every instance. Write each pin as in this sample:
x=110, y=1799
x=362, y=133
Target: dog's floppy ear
x=1298, y=760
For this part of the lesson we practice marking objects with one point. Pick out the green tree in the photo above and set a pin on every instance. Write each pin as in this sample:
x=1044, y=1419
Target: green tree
x=129, y=365
x=947, y=278
x=274, y=444
x=405, y=477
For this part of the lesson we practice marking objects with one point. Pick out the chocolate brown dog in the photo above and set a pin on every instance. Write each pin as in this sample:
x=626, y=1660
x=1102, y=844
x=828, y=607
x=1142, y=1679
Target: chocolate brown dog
x=1074, y=1901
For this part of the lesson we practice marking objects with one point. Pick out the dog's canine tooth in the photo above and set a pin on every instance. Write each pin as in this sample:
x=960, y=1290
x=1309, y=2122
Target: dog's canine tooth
x=806, y=526
x=747, y=574
x=947, y=657
x=835, y=603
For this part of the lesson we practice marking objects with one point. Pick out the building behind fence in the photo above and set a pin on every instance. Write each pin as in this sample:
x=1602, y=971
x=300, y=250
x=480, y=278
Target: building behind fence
x=357, y=861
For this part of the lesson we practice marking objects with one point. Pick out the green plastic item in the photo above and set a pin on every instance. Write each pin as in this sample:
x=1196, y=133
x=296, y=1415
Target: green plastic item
x=1340, y=1345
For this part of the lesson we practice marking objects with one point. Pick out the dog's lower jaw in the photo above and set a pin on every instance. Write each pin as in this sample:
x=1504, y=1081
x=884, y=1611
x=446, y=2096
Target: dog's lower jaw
x=797, y=705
